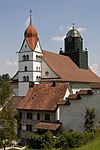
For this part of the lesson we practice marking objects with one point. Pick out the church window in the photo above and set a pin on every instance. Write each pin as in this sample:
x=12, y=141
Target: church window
x=36, y=68
x=25, y=46
x=27, y=57
x=27, y=78
x=24, y=78
x=39, y=68
x=46, y=73
x=25, y=68
x=23, y=57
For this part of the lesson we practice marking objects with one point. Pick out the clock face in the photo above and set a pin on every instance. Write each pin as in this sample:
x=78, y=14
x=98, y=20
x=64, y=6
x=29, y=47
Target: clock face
x=69, y=39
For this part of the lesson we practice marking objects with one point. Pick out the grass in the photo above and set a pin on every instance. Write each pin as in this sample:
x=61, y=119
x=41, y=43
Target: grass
x=93, y=145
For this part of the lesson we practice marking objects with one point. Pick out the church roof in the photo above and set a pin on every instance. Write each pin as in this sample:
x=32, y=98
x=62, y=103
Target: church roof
x=67, y=70
x=43, y=97
x=31, y=35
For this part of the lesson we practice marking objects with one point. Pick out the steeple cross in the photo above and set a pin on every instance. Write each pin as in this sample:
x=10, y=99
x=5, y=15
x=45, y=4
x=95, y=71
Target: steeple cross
x=73, y=25
x=30, y=12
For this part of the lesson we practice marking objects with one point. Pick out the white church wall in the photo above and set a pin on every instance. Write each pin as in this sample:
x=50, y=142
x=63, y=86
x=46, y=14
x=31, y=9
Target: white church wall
x=47, y=72
x=23, y=88
x=72, y=116
x=25, y=47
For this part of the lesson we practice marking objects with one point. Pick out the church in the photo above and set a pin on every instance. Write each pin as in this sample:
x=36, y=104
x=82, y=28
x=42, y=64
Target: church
x=52, y=90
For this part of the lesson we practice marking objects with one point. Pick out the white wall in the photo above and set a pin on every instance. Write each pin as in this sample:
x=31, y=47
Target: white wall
x=23, y=88
x=45, y=68
x=72, y=116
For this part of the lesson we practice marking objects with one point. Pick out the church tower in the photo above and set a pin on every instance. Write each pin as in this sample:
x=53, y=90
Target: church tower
x=29, y=60
x=74, y=49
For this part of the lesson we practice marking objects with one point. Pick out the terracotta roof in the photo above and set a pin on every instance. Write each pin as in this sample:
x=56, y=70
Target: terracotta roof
x=74, y=96
x=43, y=97
x=16, y=100
x=95, y=86
x=85, y=92
x=47, y=126
x=67, y=70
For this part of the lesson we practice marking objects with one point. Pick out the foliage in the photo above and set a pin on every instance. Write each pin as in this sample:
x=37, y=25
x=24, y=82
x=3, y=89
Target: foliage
x=89, y=119
x=7, y=114
x=4, y=77
x=8, y=123
x=63, y=140
x=5, y=92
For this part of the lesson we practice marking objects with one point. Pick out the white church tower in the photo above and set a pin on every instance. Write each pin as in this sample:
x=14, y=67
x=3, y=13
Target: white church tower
x=29, y=60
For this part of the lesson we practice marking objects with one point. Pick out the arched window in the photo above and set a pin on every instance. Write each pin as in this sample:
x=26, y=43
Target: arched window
x=23, y=57
x=36, y=68
x=27, y=78
x=27, y=57
x=24, y=78
x=25, y=68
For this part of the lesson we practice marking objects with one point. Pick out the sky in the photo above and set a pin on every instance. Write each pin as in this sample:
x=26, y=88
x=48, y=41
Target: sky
x=52, y=20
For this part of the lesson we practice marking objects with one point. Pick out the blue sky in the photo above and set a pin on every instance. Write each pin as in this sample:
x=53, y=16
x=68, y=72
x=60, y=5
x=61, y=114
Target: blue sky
x=52, y=19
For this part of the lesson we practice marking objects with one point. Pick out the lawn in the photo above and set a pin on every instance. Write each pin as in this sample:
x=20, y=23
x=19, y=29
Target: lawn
x=93, y=145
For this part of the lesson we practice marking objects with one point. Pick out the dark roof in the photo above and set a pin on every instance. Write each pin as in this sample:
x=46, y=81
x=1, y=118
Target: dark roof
x=43, y=97
x=67, y=70
x=47, y=126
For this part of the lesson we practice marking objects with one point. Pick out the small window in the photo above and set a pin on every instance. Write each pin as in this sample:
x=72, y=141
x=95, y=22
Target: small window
x=25, y=46
x=27, y=78
x=47, y=117
x=25, y=68
x=23, y=57
x=38, y=116
x=27, y=57
x=46, y=73
x=36, y=68
x=24, y=78
x=29, y=115
x=29, y=127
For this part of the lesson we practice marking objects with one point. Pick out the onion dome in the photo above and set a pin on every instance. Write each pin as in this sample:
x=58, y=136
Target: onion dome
x=31, y=35
x=73, y=33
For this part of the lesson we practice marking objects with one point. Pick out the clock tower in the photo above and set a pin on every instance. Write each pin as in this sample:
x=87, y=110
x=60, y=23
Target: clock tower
x=74, y=49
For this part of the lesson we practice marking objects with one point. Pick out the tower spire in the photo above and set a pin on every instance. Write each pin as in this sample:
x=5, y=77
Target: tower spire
x=30, y=16
x=73, y=25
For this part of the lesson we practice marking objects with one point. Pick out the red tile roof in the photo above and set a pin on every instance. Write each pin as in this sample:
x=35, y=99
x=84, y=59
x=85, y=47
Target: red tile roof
x=47, y=126
x=85, y=92
x=43, y=97
x=95, y=86
x=74, y=96
x=67, y=70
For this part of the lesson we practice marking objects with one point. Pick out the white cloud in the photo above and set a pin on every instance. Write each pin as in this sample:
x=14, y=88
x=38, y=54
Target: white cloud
x=10, y=63
x=27, y=21
x=62, y=27
x=58, y=38
x=94, y=68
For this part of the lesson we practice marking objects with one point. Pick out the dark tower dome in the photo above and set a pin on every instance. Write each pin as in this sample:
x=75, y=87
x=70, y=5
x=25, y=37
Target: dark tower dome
x=73, y=33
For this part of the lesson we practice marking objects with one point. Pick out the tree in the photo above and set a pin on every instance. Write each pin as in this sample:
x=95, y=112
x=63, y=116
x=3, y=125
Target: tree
x=89, y=119
x=7, y=115
x=5, y=92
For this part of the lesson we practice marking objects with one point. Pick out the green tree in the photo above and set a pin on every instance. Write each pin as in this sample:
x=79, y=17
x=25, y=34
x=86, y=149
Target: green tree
x=5, y=92
x=90, y=119
x=7, y=115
